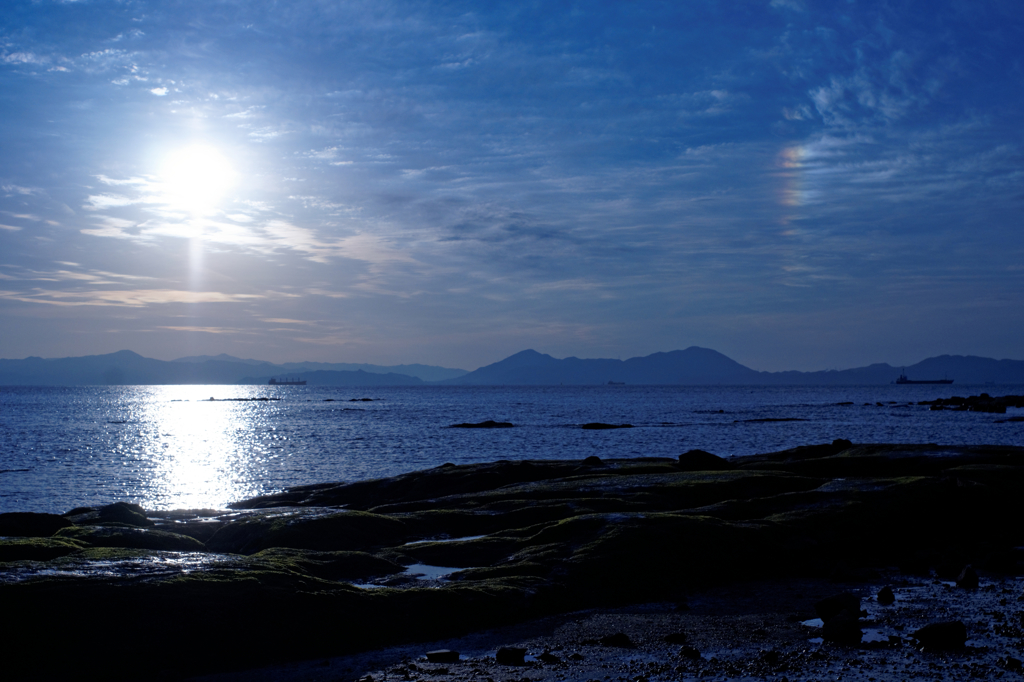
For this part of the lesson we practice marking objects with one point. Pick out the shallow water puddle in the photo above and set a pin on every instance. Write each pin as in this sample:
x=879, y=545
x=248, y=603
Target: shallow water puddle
x=155, y=566
x=872, y=635
x=466, y=538
x=413, y=574
x=428, y=572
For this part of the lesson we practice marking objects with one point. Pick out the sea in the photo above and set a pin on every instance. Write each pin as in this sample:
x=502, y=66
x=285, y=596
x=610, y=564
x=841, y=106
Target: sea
x=205, y=446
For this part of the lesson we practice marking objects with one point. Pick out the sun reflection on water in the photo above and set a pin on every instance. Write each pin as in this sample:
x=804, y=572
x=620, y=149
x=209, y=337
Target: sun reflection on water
x=205, y=448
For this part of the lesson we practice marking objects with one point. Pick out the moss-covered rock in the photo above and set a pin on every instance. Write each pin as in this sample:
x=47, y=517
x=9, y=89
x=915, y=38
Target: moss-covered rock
x=344, y=531
x=545, y=536
x=37, y=549
x=131, y=538
x=328, y=565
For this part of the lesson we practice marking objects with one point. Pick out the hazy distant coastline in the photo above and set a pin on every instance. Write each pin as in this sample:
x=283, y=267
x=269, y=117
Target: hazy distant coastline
x=692, y=366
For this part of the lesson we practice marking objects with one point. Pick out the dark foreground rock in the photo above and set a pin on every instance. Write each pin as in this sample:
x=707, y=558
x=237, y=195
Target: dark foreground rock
x=31, y=524
x=946, y=635
x=321, y=570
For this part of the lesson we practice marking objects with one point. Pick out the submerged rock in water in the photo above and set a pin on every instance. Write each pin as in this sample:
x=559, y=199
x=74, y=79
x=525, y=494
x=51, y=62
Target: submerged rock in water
x=489, y=424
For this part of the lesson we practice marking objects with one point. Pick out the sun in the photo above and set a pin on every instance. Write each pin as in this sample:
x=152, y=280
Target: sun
x=196, y=178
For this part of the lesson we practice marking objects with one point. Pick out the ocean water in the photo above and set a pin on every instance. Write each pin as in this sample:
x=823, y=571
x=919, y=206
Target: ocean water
x=171, y=447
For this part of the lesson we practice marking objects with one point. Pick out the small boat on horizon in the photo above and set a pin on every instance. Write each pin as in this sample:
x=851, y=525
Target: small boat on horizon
x=904, y=380
x=287, y=382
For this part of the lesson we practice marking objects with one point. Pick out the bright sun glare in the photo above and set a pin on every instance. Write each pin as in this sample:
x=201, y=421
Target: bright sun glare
x=196, y=178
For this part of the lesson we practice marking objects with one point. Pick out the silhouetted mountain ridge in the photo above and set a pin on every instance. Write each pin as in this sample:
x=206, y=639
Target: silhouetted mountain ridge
x=703, y=366
x=692, y=366
x=129, y=368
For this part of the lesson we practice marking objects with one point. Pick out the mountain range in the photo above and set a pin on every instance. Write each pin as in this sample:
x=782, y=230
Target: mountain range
x=692, y=366
x=129, y=368
x=703, y=366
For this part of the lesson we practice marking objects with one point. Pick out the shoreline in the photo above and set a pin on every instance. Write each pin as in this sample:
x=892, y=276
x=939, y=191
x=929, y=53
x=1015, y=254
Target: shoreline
x=326, y=571
x=154, y=449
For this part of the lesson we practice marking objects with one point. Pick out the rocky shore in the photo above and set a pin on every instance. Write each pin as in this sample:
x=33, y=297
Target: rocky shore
x=322, y=571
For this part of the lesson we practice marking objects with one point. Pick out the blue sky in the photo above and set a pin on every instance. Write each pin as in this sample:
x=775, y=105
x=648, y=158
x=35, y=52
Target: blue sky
x=799, y=185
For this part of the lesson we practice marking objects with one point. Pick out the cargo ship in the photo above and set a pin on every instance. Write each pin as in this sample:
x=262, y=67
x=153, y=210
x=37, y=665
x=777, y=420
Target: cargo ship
x=287, y=382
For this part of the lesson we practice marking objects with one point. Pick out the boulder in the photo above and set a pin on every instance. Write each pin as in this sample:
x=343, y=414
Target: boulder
x=945, y=635
x=968, y=578
x=842, y=628
x=830, y=607
x=689, y=652
x=885, y=596
x=700, y=460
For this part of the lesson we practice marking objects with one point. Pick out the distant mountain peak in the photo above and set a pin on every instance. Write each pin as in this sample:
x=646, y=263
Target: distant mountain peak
x=526, y=358
x=122, y=354
x=529, y=352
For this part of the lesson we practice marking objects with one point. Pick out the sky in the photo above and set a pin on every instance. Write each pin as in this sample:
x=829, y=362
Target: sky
x=797, y=184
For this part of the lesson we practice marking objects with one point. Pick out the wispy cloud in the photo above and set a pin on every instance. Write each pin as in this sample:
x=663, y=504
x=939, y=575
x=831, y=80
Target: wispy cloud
x=204, y=330
x=101, y=202
x=137, y=298
x=17, y=189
